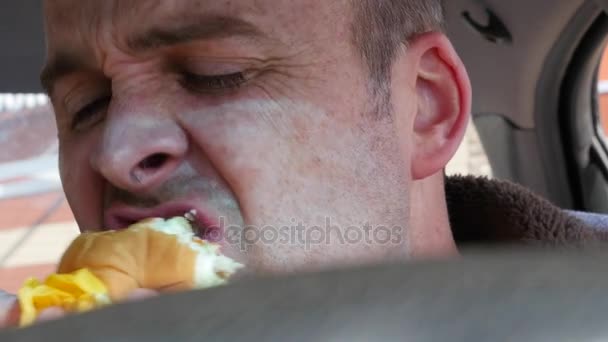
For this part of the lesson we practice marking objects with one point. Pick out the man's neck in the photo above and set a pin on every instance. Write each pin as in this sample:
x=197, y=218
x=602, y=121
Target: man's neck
x=429, y=232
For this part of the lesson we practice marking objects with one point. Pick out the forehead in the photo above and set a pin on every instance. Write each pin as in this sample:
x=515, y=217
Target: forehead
x=81, y=19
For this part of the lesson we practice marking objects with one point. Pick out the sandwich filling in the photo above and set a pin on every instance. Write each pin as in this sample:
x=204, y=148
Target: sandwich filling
x=212, y=268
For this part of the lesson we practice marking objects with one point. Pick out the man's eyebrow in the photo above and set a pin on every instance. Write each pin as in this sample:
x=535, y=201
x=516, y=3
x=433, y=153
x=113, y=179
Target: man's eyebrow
x=59, y=66
x=189, y=29
x=198, y=28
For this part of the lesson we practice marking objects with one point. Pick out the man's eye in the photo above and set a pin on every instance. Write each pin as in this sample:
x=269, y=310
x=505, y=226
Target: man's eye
x=90, y=114
x=204, y=83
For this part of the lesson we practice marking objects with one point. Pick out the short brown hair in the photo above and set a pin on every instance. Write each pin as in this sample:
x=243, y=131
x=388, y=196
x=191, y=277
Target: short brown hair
x=381, y=27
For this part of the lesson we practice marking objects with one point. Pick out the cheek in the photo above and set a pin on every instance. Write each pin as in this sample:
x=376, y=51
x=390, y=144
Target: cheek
x=82, y=186
x=293, y=163
x=261, y=148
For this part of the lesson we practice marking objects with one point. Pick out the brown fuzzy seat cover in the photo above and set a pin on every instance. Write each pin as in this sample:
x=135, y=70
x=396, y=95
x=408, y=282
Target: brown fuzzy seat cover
x=491, y=211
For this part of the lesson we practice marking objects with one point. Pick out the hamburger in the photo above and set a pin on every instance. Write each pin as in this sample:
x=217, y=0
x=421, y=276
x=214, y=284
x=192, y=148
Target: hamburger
x=101, y=268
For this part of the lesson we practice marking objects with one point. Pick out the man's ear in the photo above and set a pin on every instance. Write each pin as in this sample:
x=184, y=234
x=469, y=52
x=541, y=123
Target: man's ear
x=443, y=92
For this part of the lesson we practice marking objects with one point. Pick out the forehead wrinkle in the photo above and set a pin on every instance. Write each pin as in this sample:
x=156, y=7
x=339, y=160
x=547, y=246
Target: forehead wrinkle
x=190, y=28
x=116, y=22
x=139, y=26
x=71, y=36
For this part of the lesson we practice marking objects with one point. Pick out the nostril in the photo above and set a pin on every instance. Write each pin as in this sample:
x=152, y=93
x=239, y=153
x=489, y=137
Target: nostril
x=152, y=168
x=154, y=161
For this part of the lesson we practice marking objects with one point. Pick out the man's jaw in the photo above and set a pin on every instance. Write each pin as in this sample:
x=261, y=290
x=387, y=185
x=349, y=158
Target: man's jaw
x=204, y=224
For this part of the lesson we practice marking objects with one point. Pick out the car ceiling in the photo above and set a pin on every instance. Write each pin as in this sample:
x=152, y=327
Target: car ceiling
x=513, y=68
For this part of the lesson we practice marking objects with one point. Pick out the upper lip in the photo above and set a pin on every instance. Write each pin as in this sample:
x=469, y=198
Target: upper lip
x=120, y=216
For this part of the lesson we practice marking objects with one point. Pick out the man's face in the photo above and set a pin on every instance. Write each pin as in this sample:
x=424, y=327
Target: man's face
x=256, y=114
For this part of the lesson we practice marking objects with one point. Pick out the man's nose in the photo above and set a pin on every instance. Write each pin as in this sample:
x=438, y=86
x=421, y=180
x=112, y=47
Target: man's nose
x=139, y=153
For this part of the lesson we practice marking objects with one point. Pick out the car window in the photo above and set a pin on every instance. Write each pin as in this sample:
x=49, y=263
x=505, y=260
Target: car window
x=471, y=158
x=602, y=91
x=36, y=224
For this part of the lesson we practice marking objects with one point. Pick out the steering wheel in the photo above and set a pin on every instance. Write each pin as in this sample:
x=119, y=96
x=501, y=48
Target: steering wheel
x=514, y=295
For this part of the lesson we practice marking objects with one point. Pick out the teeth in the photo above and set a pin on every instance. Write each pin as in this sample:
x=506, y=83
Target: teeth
x=191, y=215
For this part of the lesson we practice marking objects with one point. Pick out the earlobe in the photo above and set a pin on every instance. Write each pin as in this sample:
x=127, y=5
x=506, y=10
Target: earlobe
x=443, y=93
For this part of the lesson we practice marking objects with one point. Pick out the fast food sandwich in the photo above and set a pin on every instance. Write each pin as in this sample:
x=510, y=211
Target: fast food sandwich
x=101, y=268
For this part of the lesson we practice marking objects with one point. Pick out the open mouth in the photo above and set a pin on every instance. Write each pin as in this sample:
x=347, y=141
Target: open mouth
x=201, y=228
x=120, y=217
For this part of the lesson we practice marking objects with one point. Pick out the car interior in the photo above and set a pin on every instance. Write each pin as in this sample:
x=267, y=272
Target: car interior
x=539, y=111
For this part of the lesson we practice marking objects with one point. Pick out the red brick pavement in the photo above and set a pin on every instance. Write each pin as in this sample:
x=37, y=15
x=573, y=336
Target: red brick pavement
x=25, y=212
x=11, y=279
